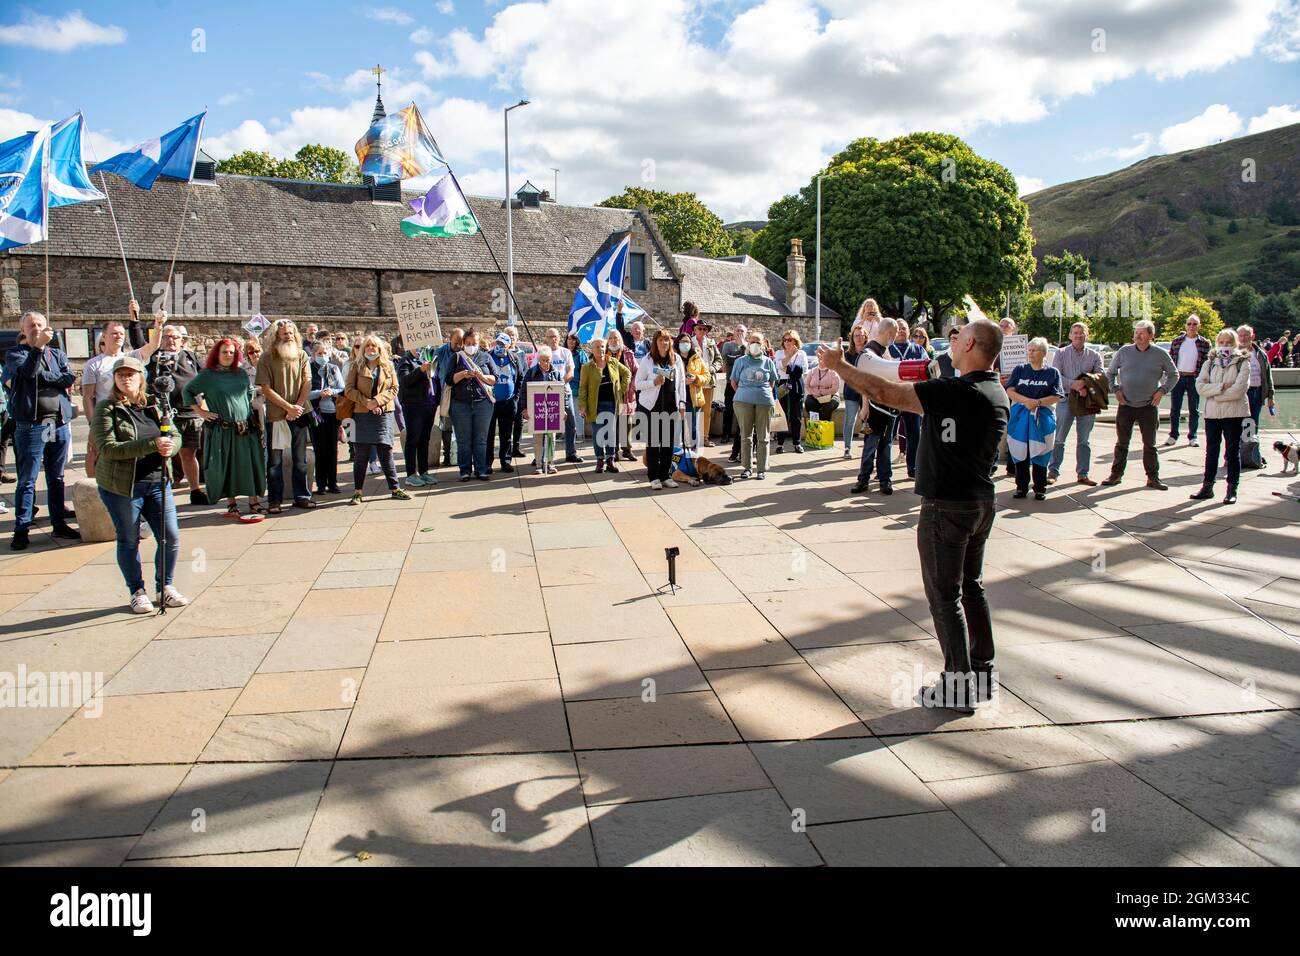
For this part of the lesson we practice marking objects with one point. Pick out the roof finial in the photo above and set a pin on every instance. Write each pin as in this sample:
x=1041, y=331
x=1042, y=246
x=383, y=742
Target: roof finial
x=380, y=112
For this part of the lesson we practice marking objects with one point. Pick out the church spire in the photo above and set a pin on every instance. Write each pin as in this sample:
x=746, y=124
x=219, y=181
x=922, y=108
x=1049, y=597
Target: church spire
x=380, y=112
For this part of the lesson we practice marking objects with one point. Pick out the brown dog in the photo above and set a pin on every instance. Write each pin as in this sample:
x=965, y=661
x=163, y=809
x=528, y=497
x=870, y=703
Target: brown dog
x=695, y=470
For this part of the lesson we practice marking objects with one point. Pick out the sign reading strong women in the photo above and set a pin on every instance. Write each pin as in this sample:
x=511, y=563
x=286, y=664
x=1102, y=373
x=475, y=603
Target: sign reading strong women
x=417, y=319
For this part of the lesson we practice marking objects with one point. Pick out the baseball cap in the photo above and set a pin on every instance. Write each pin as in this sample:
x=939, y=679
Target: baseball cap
x=128, y=362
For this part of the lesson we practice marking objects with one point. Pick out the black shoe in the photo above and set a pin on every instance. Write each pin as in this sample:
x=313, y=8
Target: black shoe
x=985, y=683
x=734, y=459
x=886, y=488
x=1040, y=495
x=798, y=449
x=610, y=466
x=1157, y=484
x=573, y=459
x=6, y=478
x=198, y=498
x=63, y=531
x=860, y=486
x=483, y=477
x=600, y=462
x=949, y=692
x=468, y=477
x=333, y=490
x=516, y=452
x=1020, y=493
x=1207, y=491
x=506, y=466
x=778, y=449
x=20, y=540
x=1231, y=497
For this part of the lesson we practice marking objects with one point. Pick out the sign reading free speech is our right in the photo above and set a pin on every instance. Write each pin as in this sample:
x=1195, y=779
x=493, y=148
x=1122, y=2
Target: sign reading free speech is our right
x=417, y=319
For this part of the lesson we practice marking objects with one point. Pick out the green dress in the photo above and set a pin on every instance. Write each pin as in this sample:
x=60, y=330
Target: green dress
x=233, y=464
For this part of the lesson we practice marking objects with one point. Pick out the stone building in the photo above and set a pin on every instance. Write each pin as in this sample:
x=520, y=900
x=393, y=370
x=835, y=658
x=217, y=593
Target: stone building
x=334, y=254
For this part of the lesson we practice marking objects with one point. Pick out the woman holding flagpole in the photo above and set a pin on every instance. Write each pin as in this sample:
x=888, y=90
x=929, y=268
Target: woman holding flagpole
x=469, y=376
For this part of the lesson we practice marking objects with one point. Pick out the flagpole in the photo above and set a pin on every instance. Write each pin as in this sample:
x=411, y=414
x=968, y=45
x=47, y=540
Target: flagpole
x=483, y=232
x=130, y=286
x=185, y=209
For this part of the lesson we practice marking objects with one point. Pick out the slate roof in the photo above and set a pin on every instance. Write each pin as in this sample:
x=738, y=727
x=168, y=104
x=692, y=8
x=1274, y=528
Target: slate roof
x=738, y=285
x=257, y=220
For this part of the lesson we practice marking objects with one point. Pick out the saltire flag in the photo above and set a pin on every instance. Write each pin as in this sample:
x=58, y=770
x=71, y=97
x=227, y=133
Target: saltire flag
x=1031, y=435
x=69, y=181
x=596, y=302
x=399, y=146
x=171, y=154
x=442, y=211
x=24, y=188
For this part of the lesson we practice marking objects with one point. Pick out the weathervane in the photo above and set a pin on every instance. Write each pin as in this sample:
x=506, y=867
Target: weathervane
x=379, y=77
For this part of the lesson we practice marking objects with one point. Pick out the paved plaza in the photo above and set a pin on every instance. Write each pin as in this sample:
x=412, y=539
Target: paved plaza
x=486, y=675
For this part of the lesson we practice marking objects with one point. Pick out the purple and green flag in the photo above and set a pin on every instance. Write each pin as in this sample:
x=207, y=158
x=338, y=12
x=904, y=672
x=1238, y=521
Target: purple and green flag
x=442, y=211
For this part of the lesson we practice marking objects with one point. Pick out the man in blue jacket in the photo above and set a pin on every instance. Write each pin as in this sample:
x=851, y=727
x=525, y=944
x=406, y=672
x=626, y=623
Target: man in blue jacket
x=41, y=411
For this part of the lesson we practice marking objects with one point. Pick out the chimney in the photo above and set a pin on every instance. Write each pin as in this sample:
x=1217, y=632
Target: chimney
x=796, y=289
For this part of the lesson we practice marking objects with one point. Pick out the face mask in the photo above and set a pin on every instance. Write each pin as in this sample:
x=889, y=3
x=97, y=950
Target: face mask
x=371, y=356
x=499, y=349
x=470, y=349
x=755, y=349
x=319, y=359
x=684, y=348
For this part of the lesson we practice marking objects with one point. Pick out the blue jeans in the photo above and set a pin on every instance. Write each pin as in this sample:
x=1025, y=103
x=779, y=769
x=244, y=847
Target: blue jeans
x=604, y=431
x=851, y=411
x=298, y=437
x=1254, y=395
x=37, y=445
x=470, y=421
x=909, y=427
x=570, y=431
x=1186, y=385
x=878, y=450
x=146, y=502
x=1083, y=447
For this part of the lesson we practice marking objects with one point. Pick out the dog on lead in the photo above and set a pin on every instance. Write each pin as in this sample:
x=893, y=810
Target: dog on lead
x=1290, y=456
x=695, y=469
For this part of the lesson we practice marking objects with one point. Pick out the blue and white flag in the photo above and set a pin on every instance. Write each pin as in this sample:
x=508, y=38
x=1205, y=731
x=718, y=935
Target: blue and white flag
x=69, y=181
x=171, y=154
x=24, y=188
x=597, y=299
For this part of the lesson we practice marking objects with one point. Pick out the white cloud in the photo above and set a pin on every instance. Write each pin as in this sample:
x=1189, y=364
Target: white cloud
x=445, y=7
x=1142, y=145
x=1273, y=117
x=422, y=36
x=59, y=36
x=390, y=15
x=99, y=144
x=1029, y=184
x=1216, y=123
x=1283, y=42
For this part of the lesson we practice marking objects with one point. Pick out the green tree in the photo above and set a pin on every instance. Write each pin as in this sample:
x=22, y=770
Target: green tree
x=742, y=240
x=1186, y=303
x=840, y=283
x=313, y=162
x=1058, y=268
x=1272, y=315
x=684, y=221
x=1239, y=304
x=920, y=215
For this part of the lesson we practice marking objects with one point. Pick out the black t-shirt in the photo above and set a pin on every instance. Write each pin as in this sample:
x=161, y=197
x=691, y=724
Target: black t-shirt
x=965, y=419
x=148, y=468
x=606, y=393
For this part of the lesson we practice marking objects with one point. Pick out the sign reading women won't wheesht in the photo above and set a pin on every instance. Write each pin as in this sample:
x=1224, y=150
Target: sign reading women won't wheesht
x=546, y=406
x=417, y=319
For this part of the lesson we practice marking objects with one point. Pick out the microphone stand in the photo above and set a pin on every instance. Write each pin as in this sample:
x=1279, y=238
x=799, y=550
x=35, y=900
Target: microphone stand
x=165, y=427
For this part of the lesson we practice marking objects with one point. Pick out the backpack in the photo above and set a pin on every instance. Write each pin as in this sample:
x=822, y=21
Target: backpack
x=1250, y=456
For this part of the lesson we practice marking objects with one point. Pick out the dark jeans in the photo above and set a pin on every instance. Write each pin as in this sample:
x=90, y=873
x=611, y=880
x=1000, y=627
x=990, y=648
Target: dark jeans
x=147, y=502
x=1186, y=385
x=1255, y=396
x=792, y=405
x=361, y=463
x=325, y=443
x=517, y=430
x=604, y=431
x=570, y=430
x=470, y=421
x=1147, y=419
x=877, y=451
x=1023, y=471
x=950, y=538
x=659, y=461
x=1229, y=430
x=40, y=445
x=909, y=431
x=503, y=418
x=415, y=445
x=299, y=435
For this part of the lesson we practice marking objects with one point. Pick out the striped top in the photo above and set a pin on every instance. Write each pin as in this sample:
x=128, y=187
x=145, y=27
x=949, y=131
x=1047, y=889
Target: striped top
x=1071, y=364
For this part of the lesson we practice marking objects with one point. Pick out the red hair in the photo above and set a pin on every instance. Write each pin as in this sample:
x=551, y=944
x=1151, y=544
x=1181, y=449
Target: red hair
x=214, y=354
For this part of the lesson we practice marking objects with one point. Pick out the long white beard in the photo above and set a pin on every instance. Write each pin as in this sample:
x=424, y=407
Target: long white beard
x=288, y=351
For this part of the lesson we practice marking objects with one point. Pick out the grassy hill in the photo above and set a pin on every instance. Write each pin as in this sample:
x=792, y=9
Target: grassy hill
x=1186, y=218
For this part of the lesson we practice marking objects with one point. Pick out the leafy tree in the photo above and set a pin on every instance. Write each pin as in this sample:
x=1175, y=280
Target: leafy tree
x=1273, y=314
x=1186, y=303
x=840, y=283
x=742, y=240
x=1058, y=268
x=1233, y=228
x=313, y=162
x=686, y=223
x=1240, y=303
x=920, y=215
x=1277, y=266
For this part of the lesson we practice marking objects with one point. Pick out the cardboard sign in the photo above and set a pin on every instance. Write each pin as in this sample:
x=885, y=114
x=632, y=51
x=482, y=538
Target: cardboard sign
x=1015, y=351
x=256, y=325
x=417, y=319
x=546, y=406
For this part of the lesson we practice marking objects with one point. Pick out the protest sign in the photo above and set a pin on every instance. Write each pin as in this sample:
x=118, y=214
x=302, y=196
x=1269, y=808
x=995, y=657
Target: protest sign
x=1015, y=351
x=546, y=406
x=417, y=319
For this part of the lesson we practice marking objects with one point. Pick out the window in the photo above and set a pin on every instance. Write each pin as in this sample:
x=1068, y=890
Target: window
x=636, y=261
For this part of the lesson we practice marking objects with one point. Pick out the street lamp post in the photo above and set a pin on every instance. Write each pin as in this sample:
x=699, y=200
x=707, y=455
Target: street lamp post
x=817, y=297
x=510, y=252
x=555, y=194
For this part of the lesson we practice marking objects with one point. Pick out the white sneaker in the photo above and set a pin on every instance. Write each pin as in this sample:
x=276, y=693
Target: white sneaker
x=848, y=453
x=174, y=598
x=656, y=485
x=1171, y=440
x=140, y=603
x=761, y=475
x=1194, y=443
x=4, y=508
x=669, y=483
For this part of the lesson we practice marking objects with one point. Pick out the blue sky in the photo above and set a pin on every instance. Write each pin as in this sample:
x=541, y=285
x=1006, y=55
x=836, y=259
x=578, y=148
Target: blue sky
x=739, y=102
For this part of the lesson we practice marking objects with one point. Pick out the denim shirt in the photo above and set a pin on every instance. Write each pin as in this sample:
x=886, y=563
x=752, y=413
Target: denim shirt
x=323, y=377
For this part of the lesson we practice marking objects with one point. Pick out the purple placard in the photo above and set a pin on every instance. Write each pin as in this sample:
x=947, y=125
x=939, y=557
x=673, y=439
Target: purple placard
x=548, y=412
